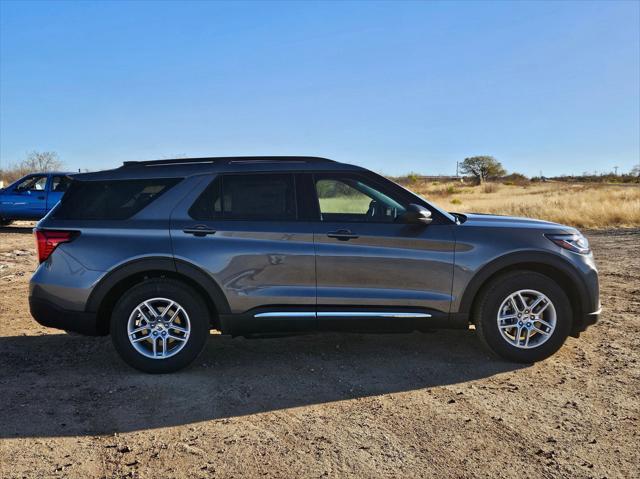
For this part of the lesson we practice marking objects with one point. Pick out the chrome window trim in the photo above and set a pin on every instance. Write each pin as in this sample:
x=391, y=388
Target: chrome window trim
x=286, y=314
x=368, y=314
x=340, y=314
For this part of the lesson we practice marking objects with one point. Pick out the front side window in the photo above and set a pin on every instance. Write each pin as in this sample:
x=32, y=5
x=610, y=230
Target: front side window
x=250, y=197
x=33, y=183
x=350, y=199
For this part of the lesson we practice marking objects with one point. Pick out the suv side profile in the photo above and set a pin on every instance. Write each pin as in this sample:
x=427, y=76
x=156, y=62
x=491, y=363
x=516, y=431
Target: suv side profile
x=158, y=253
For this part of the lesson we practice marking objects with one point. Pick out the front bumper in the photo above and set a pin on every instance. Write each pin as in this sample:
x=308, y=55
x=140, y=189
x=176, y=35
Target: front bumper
x=52, y=316
x=591, y=318
x=588, y=319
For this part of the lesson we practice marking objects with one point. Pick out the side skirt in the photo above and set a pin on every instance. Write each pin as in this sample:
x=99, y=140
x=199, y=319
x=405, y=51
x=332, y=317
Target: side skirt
x=285, y=319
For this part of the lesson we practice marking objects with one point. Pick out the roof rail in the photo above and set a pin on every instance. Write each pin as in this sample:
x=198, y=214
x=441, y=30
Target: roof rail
x=227, y=159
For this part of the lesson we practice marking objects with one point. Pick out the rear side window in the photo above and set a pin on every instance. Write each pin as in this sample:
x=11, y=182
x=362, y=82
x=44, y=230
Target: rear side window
x=60, y=184
x=110, y=200
x=252, y=197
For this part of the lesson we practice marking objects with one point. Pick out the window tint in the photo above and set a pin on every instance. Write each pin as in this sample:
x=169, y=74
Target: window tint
x=209, y=204
x=60, y=183
x=110, y=200
x=350, y=199
x=33, y=183
x=254, y=197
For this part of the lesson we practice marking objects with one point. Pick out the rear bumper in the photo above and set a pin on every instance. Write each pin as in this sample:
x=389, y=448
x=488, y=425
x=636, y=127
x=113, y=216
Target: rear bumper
x=52, y=316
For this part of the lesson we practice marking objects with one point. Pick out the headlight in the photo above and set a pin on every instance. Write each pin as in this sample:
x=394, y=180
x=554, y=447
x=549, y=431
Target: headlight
x=575, y=242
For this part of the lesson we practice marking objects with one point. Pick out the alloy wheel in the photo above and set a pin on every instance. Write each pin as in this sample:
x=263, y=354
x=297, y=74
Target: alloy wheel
x=158, y=328
x=526, y=319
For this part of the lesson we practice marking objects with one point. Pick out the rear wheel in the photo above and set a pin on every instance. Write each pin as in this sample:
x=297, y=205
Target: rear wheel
x=159, y=326
x=523, y=316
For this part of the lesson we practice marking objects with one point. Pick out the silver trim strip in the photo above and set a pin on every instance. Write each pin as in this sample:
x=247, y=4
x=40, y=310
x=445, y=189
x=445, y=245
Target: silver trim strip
x=286, y=314
x=340, y=314
x=369, y=314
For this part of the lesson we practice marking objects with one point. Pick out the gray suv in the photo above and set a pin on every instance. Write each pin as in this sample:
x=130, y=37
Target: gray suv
x=158, y=253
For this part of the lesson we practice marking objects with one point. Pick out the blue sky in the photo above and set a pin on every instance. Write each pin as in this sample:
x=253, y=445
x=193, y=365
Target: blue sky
x=395, y=87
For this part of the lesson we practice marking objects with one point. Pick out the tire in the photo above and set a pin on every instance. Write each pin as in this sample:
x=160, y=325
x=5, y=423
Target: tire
x=536, y=339
x=191, y=316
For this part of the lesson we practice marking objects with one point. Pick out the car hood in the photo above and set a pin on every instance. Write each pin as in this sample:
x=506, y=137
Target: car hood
x=479, y=219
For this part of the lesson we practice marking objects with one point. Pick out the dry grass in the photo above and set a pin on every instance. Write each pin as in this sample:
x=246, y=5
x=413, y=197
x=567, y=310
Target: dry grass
x=580, y=205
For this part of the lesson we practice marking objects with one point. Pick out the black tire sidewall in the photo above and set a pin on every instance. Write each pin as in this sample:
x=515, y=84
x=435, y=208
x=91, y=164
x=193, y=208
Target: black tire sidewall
x=194, y=306
x=498, y=291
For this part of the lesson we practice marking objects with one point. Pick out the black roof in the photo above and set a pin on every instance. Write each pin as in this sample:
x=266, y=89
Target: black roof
x=183, y=167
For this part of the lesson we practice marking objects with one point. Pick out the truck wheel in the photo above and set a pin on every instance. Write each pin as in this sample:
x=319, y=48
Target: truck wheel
x=523, y=316
x=160, y=326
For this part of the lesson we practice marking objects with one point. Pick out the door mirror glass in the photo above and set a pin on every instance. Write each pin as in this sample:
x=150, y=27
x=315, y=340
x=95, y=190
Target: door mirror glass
x=417, y=215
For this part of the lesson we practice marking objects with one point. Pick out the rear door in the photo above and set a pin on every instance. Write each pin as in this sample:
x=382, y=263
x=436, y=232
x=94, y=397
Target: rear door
x=57, y=187
x=373, y=270
x=246, y=232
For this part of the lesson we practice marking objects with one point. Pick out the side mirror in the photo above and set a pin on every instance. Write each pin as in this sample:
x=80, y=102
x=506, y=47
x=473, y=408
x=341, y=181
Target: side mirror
x=417, y=215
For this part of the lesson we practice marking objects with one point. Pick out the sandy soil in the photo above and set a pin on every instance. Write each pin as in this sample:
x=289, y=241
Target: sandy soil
x=418, y=405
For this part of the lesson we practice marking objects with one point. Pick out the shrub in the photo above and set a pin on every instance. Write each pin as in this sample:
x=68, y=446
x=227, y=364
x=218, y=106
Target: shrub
x=516, y=179
x=490, y=188
x=413, y=177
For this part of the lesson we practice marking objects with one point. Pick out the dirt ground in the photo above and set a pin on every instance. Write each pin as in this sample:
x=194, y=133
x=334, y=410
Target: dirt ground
x=418, y=405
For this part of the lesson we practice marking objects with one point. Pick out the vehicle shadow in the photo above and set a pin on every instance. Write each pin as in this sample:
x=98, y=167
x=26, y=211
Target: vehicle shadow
x=27, y=230
x=61, y=385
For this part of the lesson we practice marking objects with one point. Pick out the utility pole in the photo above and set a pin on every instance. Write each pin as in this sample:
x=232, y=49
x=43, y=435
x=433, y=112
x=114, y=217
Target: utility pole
x=457, y=168
x=616, y=170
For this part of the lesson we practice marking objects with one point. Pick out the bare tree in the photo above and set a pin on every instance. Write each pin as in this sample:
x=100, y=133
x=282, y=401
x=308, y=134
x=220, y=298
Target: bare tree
x=35, y=162
x=39, y=161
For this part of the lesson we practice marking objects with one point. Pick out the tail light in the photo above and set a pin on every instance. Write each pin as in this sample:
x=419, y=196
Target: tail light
x=48, y=240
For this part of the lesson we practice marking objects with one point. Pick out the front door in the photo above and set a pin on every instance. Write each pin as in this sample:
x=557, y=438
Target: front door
x=246, y=232
x=373, y=270
x=27, y=199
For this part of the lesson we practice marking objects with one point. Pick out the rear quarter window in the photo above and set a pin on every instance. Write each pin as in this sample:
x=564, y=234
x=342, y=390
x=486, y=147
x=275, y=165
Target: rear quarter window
x=110, y=200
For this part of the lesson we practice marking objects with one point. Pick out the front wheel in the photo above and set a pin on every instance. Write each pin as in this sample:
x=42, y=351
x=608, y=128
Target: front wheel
x=159, y=326
x=523, y=316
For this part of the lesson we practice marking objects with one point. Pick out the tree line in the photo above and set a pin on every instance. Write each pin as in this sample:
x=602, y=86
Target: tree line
x=480, y=168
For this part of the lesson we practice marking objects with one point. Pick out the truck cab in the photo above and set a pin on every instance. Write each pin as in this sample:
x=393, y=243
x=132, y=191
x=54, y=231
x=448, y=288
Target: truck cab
x=32, y=196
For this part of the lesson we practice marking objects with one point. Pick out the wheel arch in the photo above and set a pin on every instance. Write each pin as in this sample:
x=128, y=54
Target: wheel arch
x=550, y=265
x=111, y=287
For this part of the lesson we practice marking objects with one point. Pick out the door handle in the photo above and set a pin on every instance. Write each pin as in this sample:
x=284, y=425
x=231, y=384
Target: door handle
x=199, y=230
x=342, y=235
